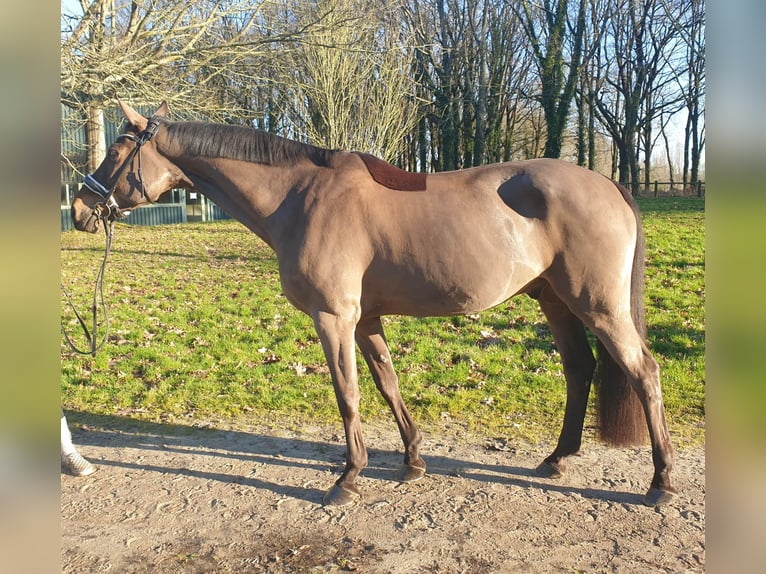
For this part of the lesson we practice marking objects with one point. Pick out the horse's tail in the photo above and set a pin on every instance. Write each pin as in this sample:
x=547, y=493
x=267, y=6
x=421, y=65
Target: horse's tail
x=620, y=416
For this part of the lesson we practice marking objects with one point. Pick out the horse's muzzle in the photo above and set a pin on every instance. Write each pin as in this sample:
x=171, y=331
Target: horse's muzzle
x=84, y=217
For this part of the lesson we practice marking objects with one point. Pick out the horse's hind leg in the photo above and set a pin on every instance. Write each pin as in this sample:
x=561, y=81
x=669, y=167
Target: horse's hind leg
x=577, y=358
x=628, y=349
x=372, y=343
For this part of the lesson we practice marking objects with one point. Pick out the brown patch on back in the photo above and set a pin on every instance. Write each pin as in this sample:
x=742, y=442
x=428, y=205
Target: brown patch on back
x=391, y=176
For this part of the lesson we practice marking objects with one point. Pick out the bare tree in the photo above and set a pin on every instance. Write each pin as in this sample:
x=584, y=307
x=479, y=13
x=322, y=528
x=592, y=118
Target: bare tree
x=586, y=143
x=510, y=80
x=557, y=45
x=347, y=82
x=429, y=84
x=663, y=98
x=192, y=54
x=473, y=71
x=636, y=78
x=440, y=29
x=693, y=32
x=450, y=34
x=497, y=66
x=620, y=84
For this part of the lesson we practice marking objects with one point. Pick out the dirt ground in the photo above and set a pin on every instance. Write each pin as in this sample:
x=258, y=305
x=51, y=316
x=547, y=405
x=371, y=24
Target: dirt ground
x=169, y=498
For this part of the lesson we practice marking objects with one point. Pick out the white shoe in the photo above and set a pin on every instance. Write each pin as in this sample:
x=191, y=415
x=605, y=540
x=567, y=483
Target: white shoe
x=77, y=465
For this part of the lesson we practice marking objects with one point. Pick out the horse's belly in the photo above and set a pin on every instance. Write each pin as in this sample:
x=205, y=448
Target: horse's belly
x=419, y=294
x=449, y=265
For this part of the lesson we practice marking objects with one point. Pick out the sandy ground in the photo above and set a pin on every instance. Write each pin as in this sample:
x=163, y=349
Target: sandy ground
x=168, y=498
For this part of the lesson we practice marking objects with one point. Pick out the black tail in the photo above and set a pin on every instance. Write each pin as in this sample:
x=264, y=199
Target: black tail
x=621, y=418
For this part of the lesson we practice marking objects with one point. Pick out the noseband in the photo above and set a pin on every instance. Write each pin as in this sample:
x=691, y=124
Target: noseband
x=110, y=209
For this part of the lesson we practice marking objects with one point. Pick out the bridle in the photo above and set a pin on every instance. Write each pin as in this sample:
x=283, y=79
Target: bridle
x=107, y=212
x=109, y=209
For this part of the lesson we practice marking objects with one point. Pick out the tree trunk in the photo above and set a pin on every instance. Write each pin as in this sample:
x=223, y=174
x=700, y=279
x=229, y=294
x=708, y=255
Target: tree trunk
x=591, y=132
x=648, y=153
x=422, y=144
x=557, y=85
x=446, y=105
x=582, y=136
x=668, y=155
x=687, y=138
x=696, y=151
x=480, y=139
x=94, y=127
x=635, y=172
x=624, y=164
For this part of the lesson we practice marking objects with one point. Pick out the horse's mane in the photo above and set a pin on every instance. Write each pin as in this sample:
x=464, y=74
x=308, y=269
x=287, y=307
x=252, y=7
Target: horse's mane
x=240, y=143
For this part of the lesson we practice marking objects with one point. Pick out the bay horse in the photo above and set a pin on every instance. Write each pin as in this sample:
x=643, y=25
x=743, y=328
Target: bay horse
x=357, y=239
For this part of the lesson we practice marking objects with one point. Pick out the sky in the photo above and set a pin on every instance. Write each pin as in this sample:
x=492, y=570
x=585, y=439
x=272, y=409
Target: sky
x=71, y=6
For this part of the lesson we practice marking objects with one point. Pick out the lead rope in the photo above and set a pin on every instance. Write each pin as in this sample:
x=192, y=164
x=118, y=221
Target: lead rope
x=152, y=126
x=91, y=335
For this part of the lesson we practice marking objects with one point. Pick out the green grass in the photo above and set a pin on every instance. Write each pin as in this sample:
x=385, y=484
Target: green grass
x=200, y=331
x=675, y=296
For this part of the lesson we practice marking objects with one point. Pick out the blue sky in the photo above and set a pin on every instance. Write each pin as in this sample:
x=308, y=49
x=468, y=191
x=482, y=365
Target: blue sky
x=70, y=7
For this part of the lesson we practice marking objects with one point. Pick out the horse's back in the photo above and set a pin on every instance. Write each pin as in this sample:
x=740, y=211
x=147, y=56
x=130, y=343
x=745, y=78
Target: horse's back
x=548, y=204
x=565, y=195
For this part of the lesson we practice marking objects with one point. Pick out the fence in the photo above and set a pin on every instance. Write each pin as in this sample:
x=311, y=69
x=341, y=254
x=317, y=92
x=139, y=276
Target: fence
x=671, y=189
x=176, y=210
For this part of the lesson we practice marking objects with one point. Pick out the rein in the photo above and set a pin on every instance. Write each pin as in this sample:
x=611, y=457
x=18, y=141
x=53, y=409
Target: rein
x=98, y=301
x=108, y=212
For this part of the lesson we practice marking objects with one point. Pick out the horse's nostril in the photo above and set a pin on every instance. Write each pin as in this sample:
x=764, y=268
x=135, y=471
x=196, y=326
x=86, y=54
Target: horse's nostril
x=83, y=217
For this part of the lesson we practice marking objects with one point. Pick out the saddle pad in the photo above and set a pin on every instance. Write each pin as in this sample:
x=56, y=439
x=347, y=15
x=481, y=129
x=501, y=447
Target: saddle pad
x=391, y=176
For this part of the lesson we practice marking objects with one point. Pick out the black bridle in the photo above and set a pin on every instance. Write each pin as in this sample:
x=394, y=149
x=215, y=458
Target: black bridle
x=108, y=211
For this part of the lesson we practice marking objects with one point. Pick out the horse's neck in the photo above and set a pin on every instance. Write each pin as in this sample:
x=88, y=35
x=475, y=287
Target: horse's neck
x=248, y=192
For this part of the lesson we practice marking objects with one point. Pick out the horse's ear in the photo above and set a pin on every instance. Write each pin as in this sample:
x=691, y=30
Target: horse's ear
x=162, y=111
x=134, y=118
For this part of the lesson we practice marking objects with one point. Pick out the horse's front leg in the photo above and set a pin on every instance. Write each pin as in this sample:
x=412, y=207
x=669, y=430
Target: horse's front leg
x=336, y=332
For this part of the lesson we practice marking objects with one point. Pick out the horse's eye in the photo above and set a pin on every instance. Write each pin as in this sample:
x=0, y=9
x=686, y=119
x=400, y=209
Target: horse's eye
x=113, y=153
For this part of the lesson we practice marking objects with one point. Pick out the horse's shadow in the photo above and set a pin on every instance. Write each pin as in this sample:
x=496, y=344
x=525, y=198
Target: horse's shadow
x=123, y=432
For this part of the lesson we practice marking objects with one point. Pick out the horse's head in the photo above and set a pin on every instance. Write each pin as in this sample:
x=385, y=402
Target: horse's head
x=133, y=173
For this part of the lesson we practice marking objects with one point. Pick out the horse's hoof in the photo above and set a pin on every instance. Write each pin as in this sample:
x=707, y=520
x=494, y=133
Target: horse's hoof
x=339, y=496
x=410, y=473
x=550, y=470
x=77, y=465
x=659, y=497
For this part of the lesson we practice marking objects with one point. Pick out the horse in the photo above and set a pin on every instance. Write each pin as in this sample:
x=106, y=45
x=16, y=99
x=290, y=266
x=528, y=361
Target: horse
x=357, y=239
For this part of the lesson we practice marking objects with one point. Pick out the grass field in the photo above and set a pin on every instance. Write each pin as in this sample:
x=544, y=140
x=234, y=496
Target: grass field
x=201, y=332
